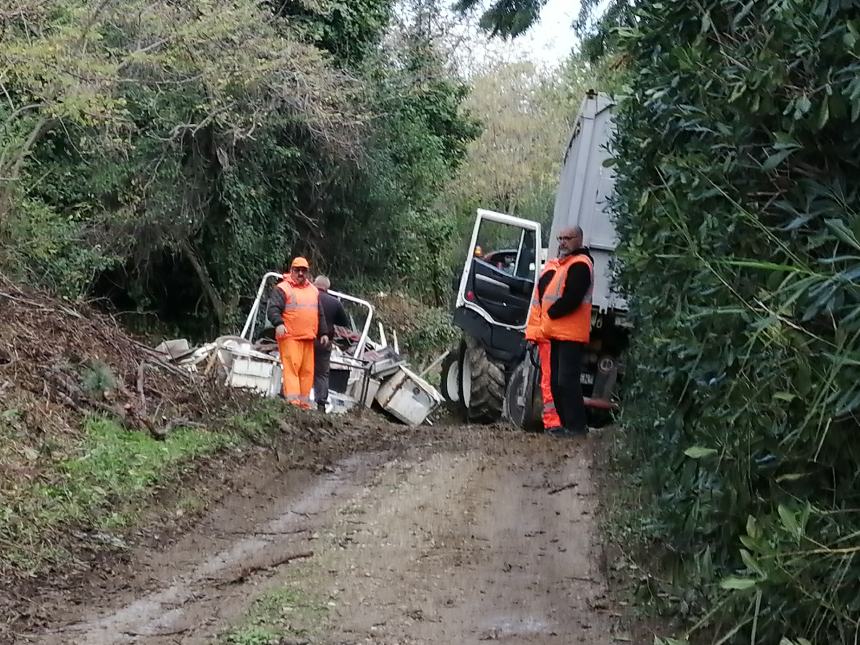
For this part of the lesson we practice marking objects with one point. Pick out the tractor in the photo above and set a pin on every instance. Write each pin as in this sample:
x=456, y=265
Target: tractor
x=491, y=373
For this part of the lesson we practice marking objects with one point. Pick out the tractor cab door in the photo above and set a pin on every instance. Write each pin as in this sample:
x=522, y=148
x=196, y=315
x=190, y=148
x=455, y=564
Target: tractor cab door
x=501, y=269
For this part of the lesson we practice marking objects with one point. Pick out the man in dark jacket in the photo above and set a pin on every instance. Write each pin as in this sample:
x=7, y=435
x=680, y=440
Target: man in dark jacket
x=336, y=316
x=565, y=296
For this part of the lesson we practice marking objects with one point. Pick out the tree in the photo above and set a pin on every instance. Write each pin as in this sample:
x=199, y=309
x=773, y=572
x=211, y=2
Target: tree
x=513, y=166
x=506, y=18
x=164, y=155
x=595, y=24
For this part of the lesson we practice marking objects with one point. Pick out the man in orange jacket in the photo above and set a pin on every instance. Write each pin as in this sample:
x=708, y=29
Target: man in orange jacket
x=295, y=311
x=534, y=334
x=566, y=323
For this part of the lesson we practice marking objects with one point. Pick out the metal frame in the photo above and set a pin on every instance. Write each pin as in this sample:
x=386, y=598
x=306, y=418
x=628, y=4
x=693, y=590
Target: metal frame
x=501, y=218
x=251, y=320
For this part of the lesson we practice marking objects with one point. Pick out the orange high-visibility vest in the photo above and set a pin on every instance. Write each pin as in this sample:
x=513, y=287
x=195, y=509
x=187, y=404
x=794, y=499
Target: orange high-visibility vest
x=533, y=324
x=575, y=326
x=301, y=312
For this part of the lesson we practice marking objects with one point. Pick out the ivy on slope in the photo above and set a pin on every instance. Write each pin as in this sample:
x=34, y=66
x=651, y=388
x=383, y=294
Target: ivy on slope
x=738, y=164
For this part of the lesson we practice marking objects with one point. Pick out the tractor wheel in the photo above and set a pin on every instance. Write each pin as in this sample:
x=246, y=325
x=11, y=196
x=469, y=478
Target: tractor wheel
x=449, y=380
x=482, y=386
x=526, y=414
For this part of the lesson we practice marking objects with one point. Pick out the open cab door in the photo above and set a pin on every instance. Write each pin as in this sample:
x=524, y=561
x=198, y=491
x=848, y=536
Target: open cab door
x=501, y=269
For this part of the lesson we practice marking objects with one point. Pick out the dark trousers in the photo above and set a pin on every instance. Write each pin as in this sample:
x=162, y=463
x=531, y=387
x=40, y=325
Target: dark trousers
x=566, y=367
x=322, y=366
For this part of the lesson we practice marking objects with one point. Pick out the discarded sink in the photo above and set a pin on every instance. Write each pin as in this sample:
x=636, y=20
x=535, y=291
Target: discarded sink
x=408, y=397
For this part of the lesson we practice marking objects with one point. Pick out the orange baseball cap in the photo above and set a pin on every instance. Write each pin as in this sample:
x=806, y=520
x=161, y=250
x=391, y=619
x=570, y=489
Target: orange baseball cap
x=300, y=263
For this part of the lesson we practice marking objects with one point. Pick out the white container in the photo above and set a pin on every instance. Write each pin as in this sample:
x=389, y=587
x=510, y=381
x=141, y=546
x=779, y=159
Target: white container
x=408, y=397
x=354, y=390
x=253, y=373
x=339, y=403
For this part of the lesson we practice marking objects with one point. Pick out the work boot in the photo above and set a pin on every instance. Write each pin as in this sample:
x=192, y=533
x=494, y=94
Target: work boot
x=321, y=407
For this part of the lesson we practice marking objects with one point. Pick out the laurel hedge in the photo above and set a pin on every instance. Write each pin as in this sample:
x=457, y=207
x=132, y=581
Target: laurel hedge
x=738, y=164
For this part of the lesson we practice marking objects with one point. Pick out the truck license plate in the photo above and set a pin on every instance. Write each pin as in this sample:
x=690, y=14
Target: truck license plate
x=587, y=379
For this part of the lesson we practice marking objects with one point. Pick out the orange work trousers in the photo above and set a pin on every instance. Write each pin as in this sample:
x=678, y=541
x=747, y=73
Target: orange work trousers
x=550, y=416
x=297, y=358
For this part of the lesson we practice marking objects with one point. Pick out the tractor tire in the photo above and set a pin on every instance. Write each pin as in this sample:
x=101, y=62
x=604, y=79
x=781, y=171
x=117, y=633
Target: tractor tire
x=482, y=386
x=449, y=378
x=526, y=415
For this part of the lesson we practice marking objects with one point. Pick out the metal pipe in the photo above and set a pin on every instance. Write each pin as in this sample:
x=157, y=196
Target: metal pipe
x=365, y=333
x=250, y=322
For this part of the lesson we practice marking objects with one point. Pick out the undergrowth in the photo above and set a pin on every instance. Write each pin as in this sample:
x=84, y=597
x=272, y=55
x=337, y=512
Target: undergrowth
x=98, y=486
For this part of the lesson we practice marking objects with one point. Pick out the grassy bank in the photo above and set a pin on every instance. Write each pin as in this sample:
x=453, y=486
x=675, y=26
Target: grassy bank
x=94, y=485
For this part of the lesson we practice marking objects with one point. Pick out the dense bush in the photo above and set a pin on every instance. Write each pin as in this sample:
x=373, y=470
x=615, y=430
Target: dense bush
x=164, y=155
x=738, y=207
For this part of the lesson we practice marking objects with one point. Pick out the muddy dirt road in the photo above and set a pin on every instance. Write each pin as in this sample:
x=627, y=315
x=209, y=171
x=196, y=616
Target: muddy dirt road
x=452, y=536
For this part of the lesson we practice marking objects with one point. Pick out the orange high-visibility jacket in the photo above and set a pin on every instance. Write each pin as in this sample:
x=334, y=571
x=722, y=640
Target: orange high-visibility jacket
x=533, y=324
x=575, y=326
x=301, y=313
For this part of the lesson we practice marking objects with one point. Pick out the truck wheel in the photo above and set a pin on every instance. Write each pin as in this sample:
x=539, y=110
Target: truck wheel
x=482, y=386
x=450, y=377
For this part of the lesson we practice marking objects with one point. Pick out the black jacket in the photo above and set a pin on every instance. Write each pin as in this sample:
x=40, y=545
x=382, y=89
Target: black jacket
x=333, y=310
x=575, y=287
x=275, y=310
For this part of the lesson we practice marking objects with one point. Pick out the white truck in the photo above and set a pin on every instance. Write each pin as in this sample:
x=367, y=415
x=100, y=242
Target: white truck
x=490, y=373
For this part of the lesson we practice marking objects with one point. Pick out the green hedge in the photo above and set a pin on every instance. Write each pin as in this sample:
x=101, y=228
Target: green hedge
x=738, y=160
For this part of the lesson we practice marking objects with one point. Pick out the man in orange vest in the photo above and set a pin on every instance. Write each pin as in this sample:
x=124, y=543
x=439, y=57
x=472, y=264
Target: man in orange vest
x=295, y=311
x=566, y=323
x=534, y=334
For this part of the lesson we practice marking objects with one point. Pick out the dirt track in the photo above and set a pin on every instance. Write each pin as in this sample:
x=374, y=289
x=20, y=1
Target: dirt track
x=458, y=536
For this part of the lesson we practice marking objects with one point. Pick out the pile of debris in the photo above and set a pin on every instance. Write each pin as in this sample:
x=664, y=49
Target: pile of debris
x=364, y=372
x=61, y=362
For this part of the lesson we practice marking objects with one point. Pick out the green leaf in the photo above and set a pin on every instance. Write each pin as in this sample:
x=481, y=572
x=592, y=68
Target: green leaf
x=789, y=521
x=750, y=543
x=843, y=232
x=784, y=396
x=751, y=563
x=698, y=452
x=752, y=527
x=801, y=107
x=776, y=159
x=823, y=113
x=738, y=584
x=791, y=477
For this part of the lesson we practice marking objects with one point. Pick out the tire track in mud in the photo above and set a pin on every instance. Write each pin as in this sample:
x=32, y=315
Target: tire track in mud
x=210, y=575
x=464, y=537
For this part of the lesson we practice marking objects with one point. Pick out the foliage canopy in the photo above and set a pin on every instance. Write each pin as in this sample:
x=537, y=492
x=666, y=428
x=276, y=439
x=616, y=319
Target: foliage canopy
x=165, y=155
